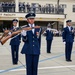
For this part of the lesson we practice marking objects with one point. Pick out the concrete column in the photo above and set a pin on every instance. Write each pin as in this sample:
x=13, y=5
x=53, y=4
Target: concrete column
x=16, y=5
x=58, y=6
x=64, y=22
x=17, y=10
x=18, y=22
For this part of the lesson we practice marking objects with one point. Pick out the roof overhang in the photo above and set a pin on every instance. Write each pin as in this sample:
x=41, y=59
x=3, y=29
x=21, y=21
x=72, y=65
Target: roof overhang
x=6, y=0
x=39, y=17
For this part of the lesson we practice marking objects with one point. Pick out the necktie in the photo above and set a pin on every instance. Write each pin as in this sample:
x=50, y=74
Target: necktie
x=69, y=28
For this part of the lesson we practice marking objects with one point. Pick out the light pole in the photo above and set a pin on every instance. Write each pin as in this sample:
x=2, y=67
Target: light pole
x=58, y=13
x=58, y=6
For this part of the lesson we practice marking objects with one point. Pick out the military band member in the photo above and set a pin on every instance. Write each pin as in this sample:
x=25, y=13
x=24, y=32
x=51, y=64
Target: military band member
x=15, y=42
x=49, y=38
x=31, y=47
x=68, y=39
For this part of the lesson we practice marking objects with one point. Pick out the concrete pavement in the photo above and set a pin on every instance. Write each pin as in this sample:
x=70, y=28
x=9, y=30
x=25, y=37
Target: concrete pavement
x=49, y=64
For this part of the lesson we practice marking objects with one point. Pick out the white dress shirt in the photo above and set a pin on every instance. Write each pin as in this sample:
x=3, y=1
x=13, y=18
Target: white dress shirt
x=69, y=28
x=14, y=27
x=49, y=29
x=32, y=26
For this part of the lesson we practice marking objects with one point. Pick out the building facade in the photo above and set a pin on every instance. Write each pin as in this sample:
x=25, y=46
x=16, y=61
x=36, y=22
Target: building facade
x=55, y=12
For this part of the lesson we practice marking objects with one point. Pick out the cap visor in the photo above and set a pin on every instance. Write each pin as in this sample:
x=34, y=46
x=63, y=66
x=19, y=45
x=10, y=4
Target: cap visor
x=31, y=17
x=15, y=21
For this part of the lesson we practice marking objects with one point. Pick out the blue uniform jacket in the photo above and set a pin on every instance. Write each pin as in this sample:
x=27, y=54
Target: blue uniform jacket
x=49, y=35
x=68, y=36
x=32, y=42
x=16, y=40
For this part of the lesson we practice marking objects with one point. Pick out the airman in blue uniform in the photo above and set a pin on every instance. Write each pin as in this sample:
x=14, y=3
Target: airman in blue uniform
x=68, y=39
x=31, y=47
x=15, y=42
x=49, y=38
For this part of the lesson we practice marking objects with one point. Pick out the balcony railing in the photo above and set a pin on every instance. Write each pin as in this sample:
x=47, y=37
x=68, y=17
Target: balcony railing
x=36, y=8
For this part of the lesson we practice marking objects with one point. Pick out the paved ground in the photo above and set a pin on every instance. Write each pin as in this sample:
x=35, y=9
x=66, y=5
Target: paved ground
x=49, y=64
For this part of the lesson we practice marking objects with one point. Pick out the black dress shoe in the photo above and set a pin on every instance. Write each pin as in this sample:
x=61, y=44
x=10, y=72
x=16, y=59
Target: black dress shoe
x=69, y=60
x=15, y=63
x=48, y=52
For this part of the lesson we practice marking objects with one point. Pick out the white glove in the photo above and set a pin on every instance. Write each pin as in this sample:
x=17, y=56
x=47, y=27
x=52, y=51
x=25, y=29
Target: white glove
x=64, y=42
x=9, y=33
x=23, y=33
x=72, y=31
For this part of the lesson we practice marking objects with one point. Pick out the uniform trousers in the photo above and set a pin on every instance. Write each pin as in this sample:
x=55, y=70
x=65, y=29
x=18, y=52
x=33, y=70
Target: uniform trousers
x=49, y=42
x=68, y=50
x=32, y=64
x=14, y=52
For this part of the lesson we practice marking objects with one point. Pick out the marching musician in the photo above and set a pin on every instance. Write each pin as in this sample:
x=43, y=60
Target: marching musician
x=68, y=39
x=15, y=42
x=49, y=38
x=31, y=48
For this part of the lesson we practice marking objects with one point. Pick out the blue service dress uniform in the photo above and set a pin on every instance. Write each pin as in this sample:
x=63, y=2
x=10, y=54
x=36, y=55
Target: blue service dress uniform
x=31, y=49
x=49, y=38
x=15, y=42
x=68, y=38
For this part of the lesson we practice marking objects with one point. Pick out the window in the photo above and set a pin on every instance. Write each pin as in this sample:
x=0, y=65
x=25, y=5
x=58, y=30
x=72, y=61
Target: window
x=73, y=8
x=63, y=5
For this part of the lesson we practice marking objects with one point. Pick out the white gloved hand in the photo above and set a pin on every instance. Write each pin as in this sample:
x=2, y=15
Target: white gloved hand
x=64, y=42
x=9, y=33
x=23, y=33
x=72, y=31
